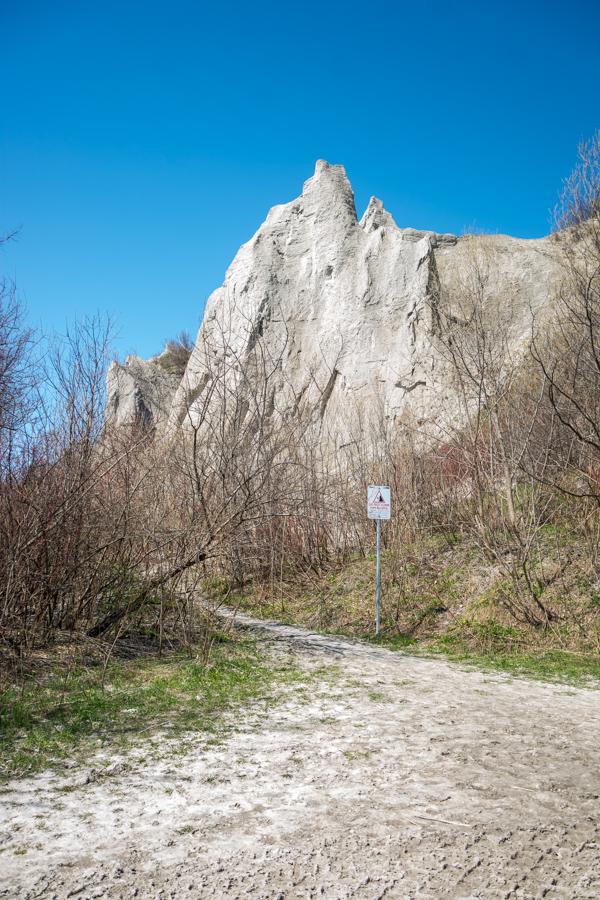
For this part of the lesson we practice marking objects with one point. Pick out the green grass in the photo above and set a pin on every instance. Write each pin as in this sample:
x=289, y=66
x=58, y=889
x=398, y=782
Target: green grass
x=392, y=641
x=559, y=666
x=48, y=720
x=548, y=665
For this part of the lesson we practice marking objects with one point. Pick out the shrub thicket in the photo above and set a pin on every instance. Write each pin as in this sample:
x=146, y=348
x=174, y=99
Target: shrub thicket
x=106, y=534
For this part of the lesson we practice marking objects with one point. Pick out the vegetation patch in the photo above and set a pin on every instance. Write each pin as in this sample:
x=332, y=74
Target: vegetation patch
x=47, y=717
x=556, y=665
x=441, y=596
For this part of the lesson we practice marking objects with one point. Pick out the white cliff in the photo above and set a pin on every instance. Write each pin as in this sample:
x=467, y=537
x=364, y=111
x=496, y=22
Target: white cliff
x=348, y=307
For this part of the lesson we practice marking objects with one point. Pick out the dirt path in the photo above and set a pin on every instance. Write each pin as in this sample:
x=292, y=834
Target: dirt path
x=338, y=791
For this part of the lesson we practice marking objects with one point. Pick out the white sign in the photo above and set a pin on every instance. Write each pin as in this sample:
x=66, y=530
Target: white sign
x=378, y=502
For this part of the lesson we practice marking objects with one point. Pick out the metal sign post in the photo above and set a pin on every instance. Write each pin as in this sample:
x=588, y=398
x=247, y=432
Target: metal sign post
x=378, y=507
x=378, y=573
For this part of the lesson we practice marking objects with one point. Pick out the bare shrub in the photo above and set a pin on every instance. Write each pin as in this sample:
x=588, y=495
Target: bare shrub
x=499, y=396
x=579, y=200
x=565, y=348
x=177, y=352
x=107, y=534
x=19, y=375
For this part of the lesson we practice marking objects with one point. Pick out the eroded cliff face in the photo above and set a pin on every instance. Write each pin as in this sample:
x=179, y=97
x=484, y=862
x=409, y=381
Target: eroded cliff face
x=139, y=392
x=347, y=310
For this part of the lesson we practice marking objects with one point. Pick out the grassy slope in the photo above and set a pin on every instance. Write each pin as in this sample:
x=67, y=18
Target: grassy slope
x=441, y=598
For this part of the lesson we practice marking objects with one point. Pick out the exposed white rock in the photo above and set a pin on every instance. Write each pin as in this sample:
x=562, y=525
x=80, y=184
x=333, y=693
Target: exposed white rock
x=347, y=305
x=140, y=392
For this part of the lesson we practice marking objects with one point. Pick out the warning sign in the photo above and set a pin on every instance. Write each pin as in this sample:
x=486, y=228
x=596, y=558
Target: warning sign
x=378, y=502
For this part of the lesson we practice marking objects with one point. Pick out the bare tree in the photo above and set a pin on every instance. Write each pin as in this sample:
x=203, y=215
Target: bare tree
x=567, y=346
x=18, y=372
x=566, y=349
x=579, y=200
x=498, y=397
x=477, y=336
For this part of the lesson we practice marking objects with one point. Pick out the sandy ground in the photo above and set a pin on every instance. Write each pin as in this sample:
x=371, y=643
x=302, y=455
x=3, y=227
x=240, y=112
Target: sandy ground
x=385, y=776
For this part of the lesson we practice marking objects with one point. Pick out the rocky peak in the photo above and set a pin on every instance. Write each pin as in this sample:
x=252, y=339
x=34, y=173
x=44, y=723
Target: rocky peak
x=347, y=306
x=375, y=216
x=329, y=193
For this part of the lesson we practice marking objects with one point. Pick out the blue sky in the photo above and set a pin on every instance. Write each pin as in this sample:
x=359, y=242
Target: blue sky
x=142, y=143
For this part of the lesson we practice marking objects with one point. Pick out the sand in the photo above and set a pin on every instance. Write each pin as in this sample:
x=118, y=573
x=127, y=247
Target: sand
x=383, y=776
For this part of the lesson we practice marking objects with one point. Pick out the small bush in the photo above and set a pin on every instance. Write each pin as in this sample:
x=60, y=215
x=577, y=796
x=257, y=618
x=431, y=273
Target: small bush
x=176, y=354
